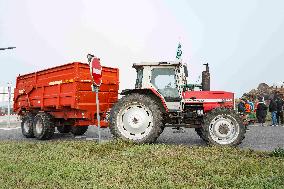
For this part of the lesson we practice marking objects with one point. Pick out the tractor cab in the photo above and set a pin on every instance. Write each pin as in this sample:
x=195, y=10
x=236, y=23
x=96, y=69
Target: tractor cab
x=166, y=79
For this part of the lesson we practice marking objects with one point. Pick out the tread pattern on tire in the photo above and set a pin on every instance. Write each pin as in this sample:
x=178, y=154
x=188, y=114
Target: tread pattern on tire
x=145, y=100
x=223, y=111
x=48, y=126
x=30, y=118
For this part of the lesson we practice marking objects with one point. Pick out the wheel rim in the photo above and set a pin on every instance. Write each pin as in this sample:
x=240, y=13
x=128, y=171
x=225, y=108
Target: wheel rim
x=26, y=126
x=39, y=126
x=224, y=129
x=135, y=121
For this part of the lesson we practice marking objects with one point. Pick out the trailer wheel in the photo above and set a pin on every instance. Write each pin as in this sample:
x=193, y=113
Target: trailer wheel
x=43, y=126
x=223, y=127
x=27, y=125
x=64, y=129
x=136, y=118
x=79, y=130
x=201, y=134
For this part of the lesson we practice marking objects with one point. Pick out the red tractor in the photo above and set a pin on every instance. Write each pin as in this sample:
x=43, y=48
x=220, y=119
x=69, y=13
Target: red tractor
x=162, y=98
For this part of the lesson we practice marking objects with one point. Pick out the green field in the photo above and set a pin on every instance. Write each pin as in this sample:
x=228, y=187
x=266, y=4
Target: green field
x=85, y=164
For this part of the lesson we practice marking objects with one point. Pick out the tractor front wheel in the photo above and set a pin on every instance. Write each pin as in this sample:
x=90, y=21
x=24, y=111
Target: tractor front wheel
x=137, y=118
x=223, y=127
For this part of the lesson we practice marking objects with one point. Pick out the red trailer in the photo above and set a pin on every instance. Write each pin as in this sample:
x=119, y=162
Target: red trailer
x=62, y=97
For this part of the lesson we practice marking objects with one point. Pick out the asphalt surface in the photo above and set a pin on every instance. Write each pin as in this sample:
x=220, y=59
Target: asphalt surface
x=257, y=138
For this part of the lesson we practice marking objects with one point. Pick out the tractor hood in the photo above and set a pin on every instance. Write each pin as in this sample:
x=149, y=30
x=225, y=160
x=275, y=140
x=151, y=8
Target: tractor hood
x=210, y=99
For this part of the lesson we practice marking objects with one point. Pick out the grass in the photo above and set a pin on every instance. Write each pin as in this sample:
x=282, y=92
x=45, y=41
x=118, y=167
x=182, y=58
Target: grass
x=278, y=152
x=85, y=164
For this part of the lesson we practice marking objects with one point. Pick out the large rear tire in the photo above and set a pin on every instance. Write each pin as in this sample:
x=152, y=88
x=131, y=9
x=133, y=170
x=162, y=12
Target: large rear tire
x=43, y=126
x=27, y=125
x=223, y=127
x=137, y=118
x=79, y=130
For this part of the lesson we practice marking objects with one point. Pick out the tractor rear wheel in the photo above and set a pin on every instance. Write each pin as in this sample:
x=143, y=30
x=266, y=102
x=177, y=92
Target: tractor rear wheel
x=43, y=126
x=137, y=118
x=64, y=129
x=27, y=125
x=223, y=127
x=79, y=130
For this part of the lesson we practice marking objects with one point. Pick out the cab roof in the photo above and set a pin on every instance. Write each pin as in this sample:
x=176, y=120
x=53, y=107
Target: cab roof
x=169, y=63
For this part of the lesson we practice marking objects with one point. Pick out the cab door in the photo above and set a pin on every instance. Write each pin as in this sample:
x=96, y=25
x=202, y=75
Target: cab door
x=165, y=81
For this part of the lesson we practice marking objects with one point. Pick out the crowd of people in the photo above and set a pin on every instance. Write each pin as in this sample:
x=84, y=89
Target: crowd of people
x=258, y=109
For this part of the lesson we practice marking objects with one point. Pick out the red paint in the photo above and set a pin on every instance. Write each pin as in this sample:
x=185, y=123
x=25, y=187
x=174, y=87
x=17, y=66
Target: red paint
x=162, y=99
x=96, y=71
x=210, y=99
x=65, y=92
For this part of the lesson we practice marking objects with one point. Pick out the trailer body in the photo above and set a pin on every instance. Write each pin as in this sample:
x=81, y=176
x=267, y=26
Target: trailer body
x=65, y=93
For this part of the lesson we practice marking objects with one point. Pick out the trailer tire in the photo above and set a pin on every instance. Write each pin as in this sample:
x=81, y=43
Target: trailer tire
x=64, y=129
x=136, y=118
x=43, y=126
x=79, y=130
x=27, y=125
x=223, y=127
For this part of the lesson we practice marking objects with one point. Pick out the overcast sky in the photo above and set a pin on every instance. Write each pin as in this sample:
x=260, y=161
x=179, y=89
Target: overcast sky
x=242, y=40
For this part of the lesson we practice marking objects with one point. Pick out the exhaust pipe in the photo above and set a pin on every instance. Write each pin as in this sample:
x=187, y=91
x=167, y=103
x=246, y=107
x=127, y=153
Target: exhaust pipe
x=206, y=78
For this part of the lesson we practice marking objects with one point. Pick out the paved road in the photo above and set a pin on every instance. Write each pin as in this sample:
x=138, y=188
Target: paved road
x=257, y=138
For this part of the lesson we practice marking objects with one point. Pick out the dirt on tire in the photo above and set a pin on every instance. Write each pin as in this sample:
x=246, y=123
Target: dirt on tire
x=227, y=113
x=137, y=99
x=47, y=126
x=28, y=119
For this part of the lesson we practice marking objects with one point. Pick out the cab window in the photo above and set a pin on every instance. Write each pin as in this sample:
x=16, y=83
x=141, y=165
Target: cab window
x=165, y=82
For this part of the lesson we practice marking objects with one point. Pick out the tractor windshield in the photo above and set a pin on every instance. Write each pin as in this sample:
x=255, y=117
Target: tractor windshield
x=164, y=80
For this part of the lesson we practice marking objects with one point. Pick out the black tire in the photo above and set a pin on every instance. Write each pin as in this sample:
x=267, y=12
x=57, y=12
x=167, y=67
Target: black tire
x=64, y=129
x=200, y=133
x=27, y=125
x=229, y=117
x=79, y=130
x=43, y=126
x=146, y=106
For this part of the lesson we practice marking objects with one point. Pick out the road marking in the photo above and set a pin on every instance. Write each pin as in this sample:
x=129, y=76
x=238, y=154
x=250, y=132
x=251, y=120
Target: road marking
x=9, y=129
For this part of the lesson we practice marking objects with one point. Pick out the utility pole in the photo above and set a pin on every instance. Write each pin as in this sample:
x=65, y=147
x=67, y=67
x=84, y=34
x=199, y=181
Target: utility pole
x=9, y=104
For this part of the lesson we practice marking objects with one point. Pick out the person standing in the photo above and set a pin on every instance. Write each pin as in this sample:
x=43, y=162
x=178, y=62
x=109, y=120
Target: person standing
x=261, y=112
x=280, y=104
x=247, y=107
x=273, y=110
x=241, y=107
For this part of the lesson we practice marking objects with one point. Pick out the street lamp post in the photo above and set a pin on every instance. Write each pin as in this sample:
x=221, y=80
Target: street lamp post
x=2, y=49
x=9, y=104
